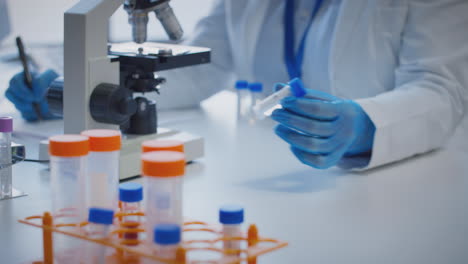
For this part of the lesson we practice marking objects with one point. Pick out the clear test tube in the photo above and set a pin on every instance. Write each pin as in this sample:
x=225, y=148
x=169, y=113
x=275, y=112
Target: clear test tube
x=256, y=90
x=99, y=225
x=231, y=217
x=103, y=168
x=6, y=127
x=163, y=173
x=131, y=195
x=68, y=158
x=243, y=98
x=294, y=88
x=162, y=145
x=167, y=238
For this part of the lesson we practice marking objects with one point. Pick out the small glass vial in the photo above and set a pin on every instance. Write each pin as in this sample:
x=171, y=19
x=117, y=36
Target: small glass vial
x=99, y=225
x=231, y=217
x=103, y=167
x=162, y=145
x=68, y=158
x=167, y=238
x=6, y=127
x=131, y=195
x=163, y=173
x=243, y=99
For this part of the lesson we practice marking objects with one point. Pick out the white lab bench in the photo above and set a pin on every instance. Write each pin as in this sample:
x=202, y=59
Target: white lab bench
x=414, y=211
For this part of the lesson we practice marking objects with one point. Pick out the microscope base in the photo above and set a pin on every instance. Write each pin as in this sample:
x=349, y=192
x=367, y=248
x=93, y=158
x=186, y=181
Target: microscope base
x=15, y=193
x=130, y=154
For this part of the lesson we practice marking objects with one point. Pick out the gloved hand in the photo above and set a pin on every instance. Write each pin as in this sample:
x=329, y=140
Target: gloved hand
x=23, y=97
x=322, y=129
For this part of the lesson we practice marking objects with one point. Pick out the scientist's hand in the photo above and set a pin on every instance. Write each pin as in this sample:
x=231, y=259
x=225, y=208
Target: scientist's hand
x=322, y=129
x=23, y=97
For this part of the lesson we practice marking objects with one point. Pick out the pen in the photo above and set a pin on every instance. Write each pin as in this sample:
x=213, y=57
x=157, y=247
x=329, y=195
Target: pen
x=27, y=74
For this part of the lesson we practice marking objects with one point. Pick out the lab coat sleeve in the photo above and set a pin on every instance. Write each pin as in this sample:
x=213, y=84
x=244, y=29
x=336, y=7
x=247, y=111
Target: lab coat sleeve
x=187, y=87
x=4, y=20
x=430, y=97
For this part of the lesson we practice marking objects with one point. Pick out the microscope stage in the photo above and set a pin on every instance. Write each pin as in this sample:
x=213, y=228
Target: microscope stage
x=155, y=57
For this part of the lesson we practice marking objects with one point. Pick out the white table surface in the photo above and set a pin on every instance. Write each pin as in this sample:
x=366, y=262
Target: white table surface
x=414, y=211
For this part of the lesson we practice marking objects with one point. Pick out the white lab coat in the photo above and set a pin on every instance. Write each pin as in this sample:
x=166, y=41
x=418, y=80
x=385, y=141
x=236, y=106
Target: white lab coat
x=4, y=20
x=404, y=61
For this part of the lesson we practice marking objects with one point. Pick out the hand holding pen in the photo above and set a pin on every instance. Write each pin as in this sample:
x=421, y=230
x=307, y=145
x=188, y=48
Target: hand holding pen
x=27, y=73
x=27, y=89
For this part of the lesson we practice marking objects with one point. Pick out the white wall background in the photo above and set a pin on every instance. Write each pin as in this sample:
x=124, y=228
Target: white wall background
x=41, y=21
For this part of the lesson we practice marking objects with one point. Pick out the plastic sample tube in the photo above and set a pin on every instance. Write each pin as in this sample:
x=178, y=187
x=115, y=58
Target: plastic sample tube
x=166, y=239
x=68, y=158
x=6, y=127
x=294, y=88
x=162, y=145
x=163, y=175
x=256, y=95
x=243, y=98
x=103, y=167
x=100, y=222
x=256, y=90
x=131, y=195
x=231, y=217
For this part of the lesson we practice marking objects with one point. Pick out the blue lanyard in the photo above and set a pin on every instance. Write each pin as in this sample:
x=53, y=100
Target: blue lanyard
x=294, y=61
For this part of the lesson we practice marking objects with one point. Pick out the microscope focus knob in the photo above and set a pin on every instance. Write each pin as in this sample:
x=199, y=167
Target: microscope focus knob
x=127, y=106
x=111, y=104
x=144, y=121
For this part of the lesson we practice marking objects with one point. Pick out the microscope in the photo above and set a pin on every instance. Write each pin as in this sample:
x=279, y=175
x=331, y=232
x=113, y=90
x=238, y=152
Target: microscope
x=105, y=84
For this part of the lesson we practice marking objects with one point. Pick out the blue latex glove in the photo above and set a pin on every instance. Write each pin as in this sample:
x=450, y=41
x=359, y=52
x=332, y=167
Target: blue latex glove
x=323, y=129
x=23, y=98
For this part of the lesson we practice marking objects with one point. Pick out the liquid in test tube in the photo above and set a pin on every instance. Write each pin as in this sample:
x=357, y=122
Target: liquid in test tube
x=103, y=168
x=6, y=127
x=231, y=217
x=99, y=225
x=68, y=159
x=294, y=88
x=131, y=195
x=163, y=173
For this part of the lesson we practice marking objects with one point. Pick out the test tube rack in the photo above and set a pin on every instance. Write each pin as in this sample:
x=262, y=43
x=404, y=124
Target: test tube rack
x=129, y=251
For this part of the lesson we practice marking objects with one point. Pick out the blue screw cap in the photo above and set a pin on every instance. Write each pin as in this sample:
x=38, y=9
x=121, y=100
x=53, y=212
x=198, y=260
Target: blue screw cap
x=231, y=215
x=130, y=192
x=256, y=87
x=101, y=216
x=167, y=234
x=241, y=85
x=297, y=87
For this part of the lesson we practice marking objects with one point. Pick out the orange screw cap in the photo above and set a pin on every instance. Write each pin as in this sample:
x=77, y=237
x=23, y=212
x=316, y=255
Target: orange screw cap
x=163, y=164
x=68, y=146
x=161, y=145
x=103, y=140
